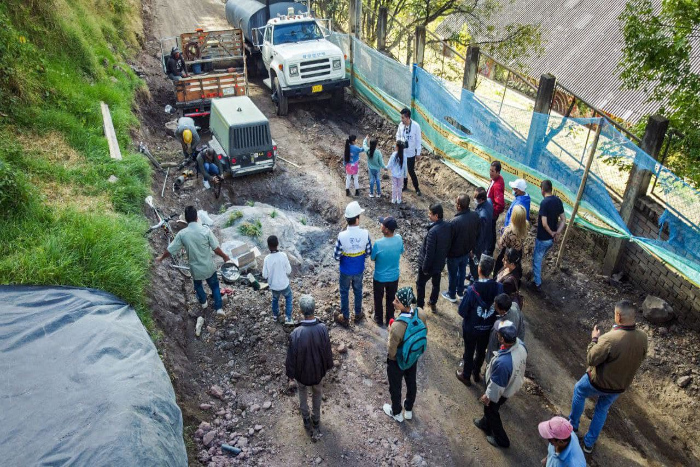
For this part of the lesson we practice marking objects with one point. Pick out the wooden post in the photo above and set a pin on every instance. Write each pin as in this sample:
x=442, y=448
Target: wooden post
x=581, y=189
x=540, y=119
x=637, y=185
x=110, y=134
x=381, y=29
x=352, y=17
x=471, y=68
x=420, y=46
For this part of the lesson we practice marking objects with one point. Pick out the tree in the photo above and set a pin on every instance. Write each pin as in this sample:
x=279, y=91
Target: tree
x=661, y=44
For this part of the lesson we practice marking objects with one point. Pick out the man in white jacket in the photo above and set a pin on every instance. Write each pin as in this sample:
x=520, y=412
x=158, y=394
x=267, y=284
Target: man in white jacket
x=505, y=375
x=409, y=132
x=276, y=270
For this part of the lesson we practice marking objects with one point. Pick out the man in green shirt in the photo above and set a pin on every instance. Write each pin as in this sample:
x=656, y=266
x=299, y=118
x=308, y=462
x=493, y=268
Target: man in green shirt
x=198, y=241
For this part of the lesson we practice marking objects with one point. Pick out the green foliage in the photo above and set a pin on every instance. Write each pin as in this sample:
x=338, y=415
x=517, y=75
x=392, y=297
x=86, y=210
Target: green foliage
x=58, y=61
x=232, y=218
x=303, y=220
x=658, y=58
x=273, y=214
x=251, y=229
x=250, y=203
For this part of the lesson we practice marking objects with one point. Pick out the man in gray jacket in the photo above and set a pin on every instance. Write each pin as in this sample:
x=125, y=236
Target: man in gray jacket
x=506, y=310
x=505, y=375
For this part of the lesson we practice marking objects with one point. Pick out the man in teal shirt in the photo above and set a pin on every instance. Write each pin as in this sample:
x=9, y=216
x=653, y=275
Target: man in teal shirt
x=199, y=241
x=386, y=254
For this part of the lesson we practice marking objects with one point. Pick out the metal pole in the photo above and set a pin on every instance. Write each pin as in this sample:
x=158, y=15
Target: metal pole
x=581, y=189
x=162, y=192
x=505, y=89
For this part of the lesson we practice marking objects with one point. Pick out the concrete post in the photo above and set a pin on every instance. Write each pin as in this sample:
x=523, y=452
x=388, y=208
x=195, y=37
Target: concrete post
x=637, y=186
x=471, y=68
x=381, y=29
x=540, y=119
x=420, y=46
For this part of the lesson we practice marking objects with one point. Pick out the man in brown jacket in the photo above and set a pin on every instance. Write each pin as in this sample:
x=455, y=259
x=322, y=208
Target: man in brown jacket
x=404, y=305
x=613, y=359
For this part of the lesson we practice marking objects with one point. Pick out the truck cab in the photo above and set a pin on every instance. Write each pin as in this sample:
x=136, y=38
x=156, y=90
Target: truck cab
x=301, y=62
x=241, y=136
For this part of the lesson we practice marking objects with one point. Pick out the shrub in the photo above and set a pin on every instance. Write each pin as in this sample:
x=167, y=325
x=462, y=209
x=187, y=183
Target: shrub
x=251, y=229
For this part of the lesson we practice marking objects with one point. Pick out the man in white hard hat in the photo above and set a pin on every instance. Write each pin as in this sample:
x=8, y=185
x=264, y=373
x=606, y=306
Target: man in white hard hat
x=351, y=249
x=519, y=187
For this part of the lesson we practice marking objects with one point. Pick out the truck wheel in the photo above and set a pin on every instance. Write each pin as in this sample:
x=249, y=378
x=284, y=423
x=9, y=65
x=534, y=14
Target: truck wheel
x=337, y=98
x=282, y=101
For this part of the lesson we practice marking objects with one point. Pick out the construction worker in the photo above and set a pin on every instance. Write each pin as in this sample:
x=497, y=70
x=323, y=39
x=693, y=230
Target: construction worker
x=187, y=134
x=176, y=65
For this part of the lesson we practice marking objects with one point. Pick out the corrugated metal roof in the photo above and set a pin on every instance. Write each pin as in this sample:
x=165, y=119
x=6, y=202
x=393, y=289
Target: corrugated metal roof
x=582, y=48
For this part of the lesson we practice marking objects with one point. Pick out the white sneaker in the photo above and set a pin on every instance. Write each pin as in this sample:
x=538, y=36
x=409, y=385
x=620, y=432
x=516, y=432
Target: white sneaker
x=371, y=195
x=387, y=410
x=204, y=305
x=220, y=312
x=407, y=414
x=206, y=184
x=289, y=321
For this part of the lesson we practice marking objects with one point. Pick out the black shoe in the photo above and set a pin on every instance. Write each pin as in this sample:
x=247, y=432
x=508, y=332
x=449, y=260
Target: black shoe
x=477, y=377
x=492, y=441
x=307, y=423
x=464, y=379
x=347, y=192
x=479, y=425
x=357, y=192
x=404, y=189
x=359, y=318
x=418, y=193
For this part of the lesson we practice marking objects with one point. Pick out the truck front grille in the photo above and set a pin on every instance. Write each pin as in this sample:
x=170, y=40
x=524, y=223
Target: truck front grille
x=315, y=68
x=253, y=138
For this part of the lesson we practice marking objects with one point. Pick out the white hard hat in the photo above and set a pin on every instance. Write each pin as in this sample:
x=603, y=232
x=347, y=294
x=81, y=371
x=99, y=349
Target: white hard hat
x=353, y=210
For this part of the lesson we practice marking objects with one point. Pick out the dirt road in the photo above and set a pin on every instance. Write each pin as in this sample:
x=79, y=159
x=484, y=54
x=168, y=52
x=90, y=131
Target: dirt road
x=244, y=354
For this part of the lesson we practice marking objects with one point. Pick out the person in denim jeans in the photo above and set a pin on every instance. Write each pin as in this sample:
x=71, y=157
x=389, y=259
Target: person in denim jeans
x=276, y=270
x=375, y=163
x=550, y=223
x=465, y=233
x=199, y=241
x=613, y=359
x=351, y=249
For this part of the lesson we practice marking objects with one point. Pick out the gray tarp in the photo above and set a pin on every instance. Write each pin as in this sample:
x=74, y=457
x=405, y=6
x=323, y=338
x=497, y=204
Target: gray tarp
x=81, y=383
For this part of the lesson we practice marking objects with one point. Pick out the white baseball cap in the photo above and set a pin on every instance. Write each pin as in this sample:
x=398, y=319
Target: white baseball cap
x=353, y=210
x=519, y=184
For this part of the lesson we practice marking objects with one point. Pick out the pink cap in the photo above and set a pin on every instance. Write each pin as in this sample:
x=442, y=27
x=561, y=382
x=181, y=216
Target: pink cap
x=556, y=428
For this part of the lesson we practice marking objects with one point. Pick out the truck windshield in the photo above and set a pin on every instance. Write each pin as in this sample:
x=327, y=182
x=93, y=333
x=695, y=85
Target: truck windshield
x=296, y=32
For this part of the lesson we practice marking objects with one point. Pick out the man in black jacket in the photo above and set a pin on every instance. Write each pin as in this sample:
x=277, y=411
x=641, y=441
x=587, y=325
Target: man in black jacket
x=484, y=209
x=176, y=65
x=309, y=356
x=465, y=231
x=478, y=315
x=433, y=253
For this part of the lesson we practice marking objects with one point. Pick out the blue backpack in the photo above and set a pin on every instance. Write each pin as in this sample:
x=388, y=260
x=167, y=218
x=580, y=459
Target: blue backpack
x=415, y=341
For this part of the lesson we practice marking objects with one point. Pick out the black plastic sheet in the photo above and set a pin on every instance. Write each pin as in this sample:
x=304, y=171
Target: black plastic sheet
x=81, y=383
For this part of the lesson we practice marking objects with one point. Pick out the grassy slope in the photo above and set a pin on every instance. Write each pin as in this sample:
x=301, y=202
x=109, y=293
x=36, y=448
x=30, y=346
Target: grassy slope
x=61, y=221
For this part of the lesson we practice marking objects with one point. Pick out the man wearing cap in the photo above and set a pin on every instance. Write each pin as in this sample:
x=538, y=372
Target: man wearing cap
x=432, y=255
x=551, y=221
x=403, y=303
x=386, y=254
x=613, y=359
x=465, y=232
x=506, y=310
x=521, y=197
x=478, y=315
x=563, y=450
x=186, y=132
x=484, y=210
x=505, y=375
x=309, y=357
x=176, y=65
x=351, y=249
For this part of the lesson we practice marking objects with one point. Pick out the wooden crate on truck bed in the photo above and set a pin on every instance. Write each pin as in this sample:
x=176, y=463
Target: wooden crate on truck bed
x=209, y=86
x=210, y=46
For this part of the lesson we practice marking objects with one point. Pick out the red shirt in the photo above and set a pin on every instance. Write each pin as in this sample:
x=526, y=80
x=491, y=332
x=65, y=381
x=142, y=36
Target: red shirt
x=496, y=193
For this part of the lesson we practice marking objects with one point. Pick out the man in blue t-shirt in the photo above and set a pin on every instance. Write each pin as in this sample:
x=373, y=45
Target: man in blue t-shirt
x=386, y=254
x=550, y=223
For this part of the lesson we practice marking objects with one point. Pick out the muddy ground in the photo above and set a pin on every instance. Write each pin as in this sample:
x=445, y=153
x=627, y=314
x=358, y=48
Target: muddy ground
x=230, y=382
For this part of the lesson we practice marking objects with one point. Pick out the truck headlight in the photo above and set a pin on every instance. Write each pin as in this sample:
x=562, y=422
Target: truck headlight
x=336, y=64
x=293, y=70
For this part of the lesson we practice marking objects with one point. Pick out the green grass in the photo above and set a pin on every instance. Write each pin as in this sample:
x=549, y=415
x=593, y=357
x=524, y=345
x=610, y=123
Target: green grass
x=303, y=220
x=250, y=203
x=273, y=214
x=232, y=218
x=61, y=222
x=251, y=229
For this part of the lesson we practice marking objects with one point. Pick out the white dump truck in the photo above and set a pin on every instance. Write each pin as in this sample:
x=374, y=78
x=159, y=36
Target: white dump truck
x=292, y=51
